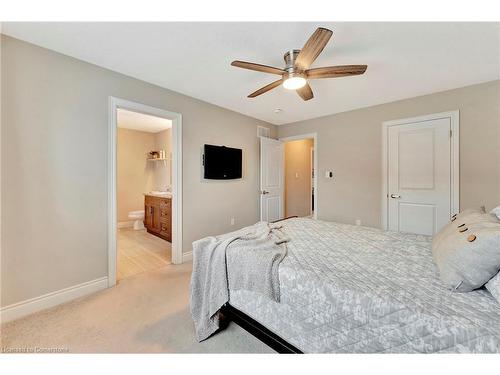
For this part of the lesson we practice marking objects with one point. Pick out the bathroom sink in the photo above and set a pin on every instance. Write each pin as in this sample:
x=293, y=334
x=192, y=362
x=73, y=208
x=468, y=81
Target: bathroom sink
x=166, y=194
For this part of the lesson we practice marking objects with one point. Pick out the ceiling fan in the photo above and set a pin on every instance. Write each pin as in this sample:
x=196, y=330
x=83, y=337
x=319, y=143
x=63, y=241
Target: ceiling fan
x=297, y=62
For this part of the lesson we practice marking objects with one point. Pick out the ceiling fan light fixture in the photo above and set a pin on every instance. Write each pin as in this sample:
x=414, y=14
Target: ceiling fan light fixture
x=296, y=73
x=294, y=82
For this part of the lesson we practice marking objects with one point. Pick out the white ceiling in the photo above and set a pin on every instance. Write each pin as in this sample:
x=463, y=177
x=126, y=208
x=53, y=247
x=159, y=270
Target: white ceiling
x=139, y=121
x=404, y=59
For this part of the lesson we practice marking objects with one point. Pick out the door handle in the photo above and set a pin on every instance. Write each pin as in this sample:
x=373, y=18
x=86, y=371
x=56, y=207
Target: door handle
x=395, y=196
x=265, y=192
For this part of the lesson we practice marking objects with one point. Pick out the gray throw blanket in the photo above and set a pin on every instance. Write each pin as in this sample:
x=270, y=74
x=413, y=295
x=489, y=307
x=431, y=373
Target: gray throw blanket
x=245, y=259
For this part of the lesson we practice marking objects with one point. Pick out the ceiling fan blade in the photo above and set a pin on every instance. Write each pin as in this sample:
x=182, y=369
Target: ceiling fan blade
x=266, y=88
x=305, y=92
x=313, y=48
x=336, y=71
x=257, y=67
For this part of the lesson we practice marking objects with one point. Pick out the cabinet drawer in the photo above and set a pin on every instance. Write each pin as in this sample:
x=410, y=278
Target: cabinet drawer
x=167, y=204
x=165, y=231
x=151, y=200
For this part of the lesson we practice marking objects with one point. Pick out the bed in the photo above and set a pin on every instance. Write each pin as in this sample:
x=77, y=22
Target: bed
x=353, y=289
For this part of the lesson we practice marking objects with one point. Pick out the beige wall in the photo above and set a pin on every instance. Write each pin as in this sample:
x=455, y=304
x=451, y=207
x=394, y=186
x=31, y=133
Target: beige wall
x=54, y=167
x=298, y=177
x=163, y=170
x=350, y=144
x=134, y=175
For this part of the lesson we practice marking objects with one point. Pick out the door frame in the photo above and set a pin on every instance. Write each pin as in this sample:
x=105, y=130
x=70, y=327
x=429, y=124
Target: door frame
x=176, y=118
x=314, y=137
x=454, y=117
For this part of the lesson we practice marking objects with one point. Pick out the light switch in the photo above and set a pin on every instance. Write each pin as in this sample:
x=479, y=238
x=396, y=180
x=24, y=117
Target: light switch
x=296, y=174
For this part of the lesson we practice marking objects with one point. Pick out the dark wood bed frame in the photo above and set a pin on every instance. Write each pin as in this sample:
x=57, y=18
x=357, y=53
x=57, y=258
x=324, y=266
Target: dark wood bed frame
x=232, y=314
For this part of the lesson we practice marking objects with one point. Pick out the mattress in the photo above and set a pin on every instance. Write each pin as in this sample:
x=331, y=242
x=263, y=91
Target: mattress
x=352, y=289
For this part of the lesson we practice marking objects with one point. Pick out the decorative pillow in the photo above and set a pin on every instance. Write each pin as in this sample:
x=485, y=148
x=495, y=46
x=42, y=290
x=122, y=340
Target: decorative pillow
x=466, y=216
x=496, y=212
x=469, y=256
x=494, y=286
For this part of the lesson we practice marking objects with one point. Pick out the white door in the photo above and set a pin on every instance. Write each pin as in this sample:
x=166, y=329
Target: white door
x=272, y=158
x=419, y=176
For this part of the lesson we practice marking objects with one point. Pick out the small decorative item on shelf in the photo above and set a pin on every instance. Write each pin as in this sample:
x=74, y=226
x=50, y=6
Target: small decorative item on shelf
x=160, y=155
x=154, y=155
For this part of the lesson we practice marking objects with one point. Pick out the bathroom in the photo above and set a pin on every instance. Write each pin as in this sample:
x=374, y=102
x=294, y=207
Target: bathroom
x=144, y=198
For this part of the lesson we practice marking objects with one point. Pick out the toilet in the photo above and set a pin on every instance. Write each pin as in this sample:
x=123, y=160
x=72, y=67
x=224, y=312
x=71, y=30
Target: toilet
x=138, y=217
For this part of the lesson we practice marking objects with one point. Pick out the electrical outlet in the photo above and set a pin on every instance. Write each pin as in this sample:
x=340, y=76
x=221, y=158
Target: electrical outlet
x=232, y=221
x=358, y=222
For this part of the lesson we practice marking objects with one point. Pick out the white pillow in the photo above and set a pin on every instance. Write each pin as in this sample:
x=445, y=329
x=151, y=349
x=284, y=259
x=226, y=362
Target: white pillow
x=466, y=216
x=496, y=211
x=467, y=252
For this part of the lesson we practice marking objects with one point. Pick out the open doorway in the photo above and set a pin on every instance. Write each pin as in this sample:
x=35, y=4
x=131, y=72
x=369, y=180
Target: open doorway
x=300, y=180
x=144, y=193
x=144, y=189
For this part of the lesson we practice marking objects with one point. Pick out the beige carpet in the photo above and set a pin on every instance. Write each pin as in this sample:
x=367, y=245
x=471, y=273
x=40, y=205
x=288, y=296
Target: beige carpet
x=145, y=313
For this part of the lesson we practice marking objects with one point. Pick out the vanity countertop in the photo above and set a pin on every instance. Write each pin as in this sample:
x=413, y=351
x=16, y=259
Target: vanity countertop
x=159, y=194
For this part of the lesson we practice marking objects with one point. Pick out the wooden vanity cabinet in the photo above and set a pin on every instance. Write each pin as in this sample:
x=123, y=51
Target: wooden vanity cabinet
x=158, y=216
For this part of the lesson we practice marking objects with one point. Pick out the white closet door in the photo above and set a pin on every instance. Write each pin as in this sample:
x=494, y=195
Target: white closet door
x=419, y=173
x=272, y=186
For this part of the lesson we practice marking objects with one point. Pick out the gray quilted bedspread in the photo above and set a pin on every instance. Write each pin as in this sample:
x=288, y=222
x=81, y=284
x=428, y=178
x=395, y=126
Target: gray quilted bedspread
x=349, y=289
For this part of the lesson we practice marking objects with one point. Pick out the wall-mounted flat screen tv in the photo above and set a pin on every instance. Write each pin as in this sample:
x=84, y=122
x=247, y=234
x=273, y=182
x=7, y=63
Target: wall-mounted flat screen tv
x=221, y=163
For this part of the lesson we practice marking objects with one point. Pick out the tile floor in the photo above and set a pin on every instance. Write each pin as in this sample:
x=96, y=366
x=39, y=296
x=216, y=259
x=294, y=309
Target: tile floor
x=139, y=251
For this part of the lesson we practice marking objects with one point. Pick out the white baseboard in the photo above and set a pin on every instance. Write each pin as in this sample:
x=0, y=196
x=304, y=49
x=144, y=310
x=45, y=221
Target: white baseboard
x=29, y=306
x=187, y=257
x=125, y=224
